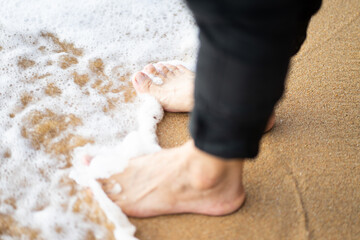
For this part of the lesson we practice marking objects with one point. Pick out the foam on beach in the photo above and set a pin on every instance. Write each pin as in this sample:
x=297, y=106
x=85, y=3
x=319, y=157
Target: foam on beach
x=65, y=91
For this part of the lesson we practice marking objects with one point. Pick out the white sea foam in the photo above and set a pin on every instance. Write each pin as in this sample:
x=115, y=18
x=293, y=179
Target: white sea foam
x=51, y=97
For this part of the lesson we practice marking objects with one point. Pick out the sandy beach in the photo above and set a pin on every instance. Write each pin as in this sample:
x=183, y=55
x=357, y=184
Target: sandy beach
x=305, y=183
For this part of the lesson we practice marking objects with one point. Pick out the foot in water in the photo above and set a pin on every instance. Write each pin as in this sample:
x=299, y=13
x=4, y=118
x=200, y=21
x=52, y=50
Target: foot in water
x=178, y=180
x=175, y=94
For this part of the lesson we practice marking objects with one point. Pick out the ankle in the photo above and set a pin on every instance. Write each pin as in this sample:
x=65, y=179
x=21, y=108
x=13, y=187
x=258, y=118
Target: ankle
x=208, y=171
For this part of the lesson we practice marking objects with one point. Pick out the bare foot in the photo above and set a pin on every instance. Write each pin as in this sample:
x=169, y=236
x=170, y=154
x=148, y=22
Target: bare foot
x=176, y=92
x=178, y=180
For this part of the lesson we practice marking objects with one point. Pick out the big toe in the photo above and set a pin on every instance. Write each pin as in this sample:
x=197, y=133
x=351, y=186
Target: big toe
x=86, y=160
x=141, y=82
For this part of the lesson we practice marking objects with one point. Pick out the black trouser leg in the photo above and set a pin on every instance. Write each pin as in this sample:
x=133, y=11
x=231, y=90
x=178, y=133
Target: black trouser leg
x=243, y=59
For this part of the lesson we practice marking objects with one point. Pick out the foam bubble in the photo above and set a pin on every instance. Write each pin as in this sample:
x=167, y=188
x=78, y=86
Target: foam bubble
x=65, y=91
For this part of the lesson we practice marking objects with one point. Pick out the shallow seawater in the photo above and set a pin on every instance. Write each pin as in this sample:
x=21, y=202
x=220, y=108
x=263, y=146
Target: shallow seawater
x=65, y=90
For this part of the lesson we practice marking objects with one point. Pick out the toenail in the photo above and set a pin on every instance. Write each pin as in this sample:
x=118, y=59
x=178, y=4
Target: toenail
x=140, y=78
x=87, y=160
x=151, y=68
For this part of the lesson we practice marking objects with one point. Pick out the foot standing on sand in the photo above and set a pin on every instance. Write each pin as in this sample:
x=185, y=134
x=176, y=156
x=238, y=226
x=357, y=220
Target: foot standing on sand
x=193, y=181
x=245, y=49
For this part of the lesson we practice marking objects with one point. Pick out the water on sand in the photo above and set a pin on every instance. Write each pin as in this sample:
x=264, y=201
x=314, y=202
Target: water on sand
x=65, y=83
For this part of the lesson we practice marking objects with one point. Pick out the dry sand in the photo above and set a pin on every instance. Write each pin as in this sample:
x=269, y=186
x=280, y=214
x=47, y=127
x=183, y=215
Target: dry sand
x=305, y=184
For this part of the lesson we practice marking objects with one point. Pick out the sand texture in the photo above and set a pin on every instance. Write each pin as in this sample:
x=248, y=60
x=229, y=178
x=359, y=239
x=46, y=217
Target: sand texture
x=305, y=184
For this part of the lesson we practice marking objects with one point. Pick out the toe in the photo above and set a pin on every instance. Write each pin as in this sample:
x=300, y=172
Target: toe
x=172, y=68
x=150, y=69
x=141, y=82
x=163, y=69
x=154, y=69
x=105, y=185
x=87, y=160
x=182, y=68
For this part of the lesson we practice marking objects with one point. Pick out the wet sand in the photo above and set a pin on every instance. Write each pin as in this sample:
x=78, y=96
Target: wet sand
x=305, y=184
